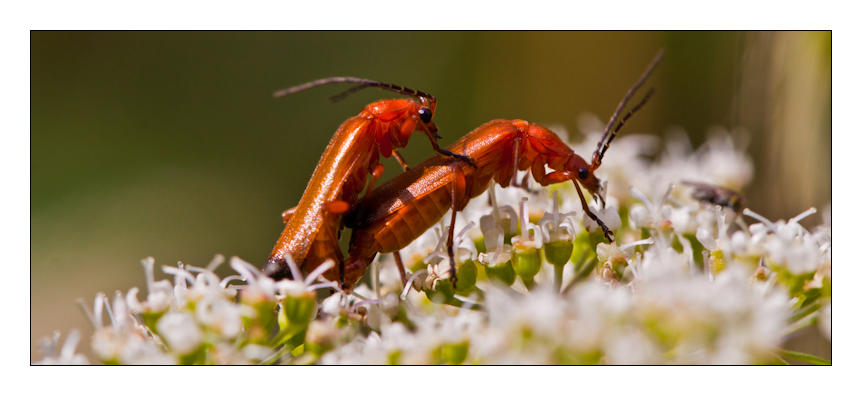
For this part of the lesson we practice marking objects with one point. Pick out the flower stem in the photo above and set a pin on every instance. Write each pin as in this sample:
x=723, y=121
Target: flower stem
x=804, y=357
x=802, y=323
x=284, y=350
x=581, y=274
x=558, y=277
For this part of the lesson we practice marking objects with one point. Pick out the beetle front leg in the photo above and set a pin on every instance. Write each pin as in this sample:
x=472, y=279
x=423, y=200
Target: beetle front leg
x=287, y=214
x=401, y=160
x=400, y=264
x=608, y=233
x=453, y=274
x=457, y=191
x=430, y=130
x=551, y=178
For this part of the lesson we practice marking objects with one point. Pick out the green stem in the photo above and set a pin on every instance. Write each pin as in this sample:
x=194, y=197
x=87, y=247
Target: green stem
x=802, y=323
x=804, y=357
x=780, y=361
x=558, y=277
x=581, y=274
x=804, y=312
x=284, y=350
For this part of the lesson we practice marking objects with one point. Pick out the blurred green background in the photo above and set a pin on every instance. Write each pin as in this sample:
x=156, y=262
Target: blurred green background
x=170, y=145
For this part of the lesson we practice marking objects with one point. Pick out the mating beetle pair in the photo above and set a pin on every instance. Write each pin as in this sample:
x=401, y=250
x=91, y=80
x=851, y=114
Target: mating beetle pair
x=388, y=218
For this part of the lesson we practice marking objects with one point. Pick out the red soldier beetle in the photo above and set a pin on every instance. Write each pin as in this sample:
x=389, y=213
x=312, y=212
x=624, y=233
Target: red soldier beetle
x=311, y=231
x=390, y=217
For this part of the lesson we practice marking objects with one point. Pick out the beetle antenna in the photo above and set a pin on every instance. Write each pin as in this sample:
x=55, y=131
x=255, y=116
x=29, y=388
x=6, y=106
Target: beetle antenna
x=351, y=91
x=597, y=156
x=363, y=83
x=598, y=160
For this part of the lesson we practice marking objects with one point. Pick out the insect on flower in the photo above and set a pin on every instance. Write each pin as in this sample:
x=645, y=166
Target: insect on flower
x=312, y=228
x=399, y=211
x=716, y=195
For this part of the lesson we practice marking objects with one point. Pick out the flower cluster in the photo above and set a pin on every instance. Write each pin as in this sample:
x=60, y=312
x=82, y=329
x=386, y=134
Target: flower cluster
x=688, y=281
x=199, y=318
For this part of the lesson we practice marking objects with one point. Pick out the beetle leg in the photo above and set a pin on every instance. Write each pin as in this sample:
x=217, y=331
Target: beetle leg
x=458, y=156
x=341, y=275
x=515, y=157
x=376, y=173
x=599, y=198
x=451, y=250
x=608, y=233
x=339, y=257
x=401, y=161
x=525, y=184
x=400, y=264
x=338, y=207
x=340, y=227
x=555, y=177
x=433, y=136
x=287, y=214
x=458, y=190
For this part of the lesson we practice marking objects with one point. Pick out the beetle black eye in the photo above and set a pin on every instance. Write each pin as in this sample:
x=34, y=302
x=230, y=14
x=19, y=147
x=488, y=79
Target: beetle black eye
x=583, y=173
x=425, y=114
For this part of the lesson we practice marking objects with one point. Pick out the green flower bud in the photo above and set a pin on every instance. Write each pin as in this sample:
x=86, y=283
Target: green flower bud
x=258, y=325
x=501, y=272
x=526, y=259
x=795, y=283
x=442, y=293
x=297, y=311
x=320, y=338
x=526, y=262
x=150, y=318
x=480, y=244
x=559, y=252
x=197, y=357
x=394, y=357
x=455, y=353
x=467, y=274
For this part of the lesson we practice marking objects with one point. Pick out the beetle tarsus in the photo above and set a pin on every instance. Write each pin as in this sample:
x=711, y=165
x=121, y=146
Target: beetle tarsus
x=608, y=233
x=460, y=157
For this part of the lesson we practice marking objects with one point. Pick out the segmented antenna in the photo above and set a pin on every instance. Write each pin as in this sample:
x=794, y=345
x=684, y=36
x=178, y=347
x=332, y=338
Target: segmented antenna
x=363, y=83
x=622, y=122
x=597, y=156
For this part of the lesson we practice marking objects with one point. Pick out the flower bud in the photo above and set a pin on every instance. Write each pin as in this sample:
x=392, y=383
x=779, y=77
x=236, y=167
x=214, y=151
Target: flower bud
x=321, y=337
x=559, y=252
x=467, y=274
x=259, y=320
x=455, y=353
x=442, y=292
x=297, y=311
x=526, y=261
x=502, y=272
